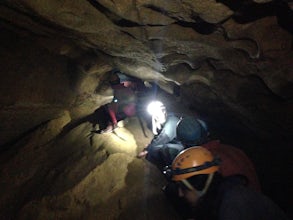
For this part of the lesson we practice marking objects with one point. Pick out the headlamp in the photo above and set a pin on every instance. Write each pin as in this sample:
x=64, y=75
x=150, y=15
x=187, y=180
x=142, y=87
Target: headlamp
x=154, y=107
x=167, y=171
x=158, y=113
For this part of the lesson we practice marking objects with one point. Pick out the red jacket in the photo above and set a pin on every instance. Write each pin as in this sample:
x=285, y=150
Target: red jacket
x=234, y=161
x=125, y=103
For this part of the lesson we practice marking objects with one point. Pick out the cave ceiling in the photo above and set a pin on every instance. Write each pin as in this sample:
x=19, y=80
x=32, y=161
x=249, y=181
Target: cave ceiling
x=154, y=39
x=231, y=47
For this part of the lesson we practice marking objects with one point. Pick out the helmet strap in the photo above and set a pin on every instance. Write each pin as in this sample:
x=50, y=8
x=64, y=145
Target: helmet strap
x=204, y=166
x=154, y=126
x=188, y=185
x=208, y=183
x=199, y=192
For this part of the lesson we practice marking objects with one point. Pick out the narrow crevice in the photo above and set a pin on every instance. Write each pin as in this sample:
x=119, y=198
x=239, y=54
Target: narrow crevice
x=12, y=146
x=199, y=26
x=116, y=19
x=248, y=11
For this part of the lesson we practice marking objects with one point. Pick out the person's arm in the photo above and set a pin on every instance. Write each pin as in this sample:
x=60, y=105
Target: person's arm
x=112, y=110
x=162, y=138
x=167, y=134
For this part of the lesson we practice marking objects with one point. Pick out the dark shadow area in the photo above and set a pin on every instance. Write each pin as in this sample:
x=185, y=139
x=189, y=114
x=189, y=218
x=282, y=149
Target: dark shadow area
x=116, y=19
x=98, y=117
x=249, y=11
x=144, y=175
x=11, y=148
x=271, y=156
x=285, y=16
x=7, y=146
x=199, y=26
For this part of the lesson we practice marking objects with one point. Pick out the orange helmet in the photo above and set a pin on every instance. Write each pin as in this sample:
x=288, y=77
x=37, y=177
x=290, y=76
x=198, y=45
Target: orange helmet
x=193, y=161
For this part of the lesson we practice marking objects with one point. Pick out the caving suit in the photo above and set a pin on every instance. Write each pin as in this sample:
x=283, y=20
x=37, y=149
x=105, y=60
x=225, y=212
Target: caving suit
x=164, y=147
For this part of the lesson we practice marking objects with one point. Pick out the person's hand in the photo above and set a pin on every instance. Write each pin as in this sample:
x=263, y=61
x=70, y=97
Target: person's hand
x=142, y=154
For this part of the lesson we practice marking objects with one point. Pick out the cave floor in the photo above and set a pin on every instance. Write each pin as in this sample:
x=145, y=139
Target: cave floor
x=63, y=170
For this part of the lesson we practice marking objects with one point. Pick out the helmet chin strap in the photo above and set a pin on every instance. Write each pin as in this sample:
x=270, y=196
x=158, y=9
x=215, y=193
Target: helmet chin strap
x=205, y=189
x=157, y=123
x=207, y=185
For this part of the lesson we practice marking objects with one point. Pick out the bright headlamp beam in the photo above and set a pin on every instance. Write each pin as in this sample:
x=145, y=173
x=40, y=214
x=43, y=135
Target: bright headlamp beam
x=154, y=107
